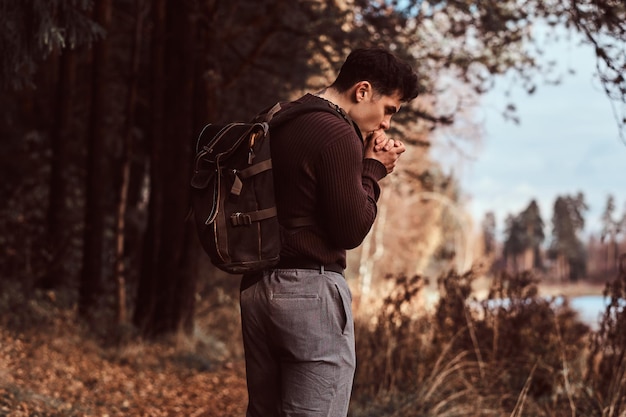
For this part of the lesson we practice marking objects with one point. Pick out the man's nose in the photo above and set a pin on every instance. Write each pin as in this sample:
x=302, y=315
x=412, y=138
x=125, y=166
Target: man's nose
x=386, y=123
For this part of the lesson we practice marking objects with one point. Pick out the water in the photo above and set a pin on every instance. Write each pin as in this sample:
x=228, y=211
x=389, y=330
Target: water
x=590, y=308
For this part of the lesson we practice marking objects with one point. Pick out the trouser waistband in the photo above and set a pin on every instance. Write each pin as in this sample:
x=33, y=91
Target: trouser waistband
x=304, y=264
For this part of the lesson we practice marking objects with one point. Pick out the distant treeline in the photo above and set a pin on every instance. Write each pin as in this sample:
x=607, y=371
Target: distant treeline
x=563, y=254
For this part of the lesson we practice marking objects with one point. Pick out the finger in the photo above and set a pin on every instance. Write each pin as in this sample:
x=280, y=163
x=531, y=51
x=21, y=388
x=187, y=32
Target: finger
x=380, y=141
x=399, y=147
x=382, y=146
x=389, y=145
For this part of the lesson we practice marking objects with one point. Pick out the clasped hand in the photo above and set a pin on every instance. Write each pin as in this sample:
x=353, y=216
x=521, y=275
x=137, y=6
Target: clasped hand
x=384, y=149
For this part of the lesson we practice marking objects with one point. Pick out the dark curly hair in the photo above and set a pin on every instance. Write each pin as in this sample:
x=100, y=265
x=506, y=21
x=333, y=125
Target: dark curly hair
x=382, y=69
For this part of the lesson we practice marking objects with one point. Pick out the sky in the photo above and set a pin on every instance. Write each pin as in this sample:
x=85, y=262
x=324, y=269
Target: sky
x=567, y=141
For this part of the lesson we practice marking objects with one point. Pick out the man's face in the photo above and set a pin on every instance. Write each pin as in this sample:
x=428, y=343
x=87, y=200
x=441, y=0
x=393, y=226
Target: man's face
x=374, y=112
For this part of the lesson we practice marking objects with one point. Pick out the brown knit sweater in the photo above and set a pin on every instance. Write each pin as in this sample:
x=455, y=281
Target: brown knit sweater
x=320, y=172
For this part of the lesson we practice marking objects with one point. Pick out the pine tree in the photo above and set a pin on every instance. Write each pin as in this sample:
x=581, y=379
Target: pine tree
x=566, y=246
x=610, y=229
x=524, y=236
x=514, y=243
x=31, y=30
x=534, y=236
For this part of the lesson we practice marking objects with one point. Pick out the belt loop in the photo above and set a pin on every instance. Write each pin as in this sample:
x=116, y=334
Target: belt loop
x=322, y=269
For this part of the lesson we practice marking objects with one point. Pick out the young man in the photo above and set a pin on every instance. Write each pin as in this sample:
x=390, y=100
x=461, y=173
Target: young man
x=297, y=323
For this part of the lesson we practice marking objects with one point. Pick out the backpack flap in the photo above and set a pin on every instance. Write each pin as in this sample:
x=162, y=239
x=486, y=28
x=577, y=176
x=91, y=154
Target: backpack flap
x=217, y=143
x=223, y=140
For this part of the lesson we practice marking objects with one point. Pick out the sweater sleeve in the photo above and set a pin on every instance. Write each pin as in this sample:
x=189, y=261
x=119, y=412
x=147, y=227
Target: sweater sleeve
x=349, y=190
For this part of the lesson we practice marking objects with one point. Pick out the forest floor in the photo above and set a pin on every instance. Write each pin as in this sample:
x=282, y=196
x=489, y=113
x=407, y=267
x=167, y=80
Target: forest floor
x=52, y=366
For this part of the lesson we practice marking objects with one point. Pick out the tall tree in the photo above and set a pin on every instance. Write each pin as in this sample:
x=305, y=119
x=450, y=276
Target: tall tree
x=95, y=204
x=533, y=225
x=515, y=241
x=524, y=236
x=609, y=230
x=166, y=290
x=129, y=129
x=567, y=222
x=59, y=229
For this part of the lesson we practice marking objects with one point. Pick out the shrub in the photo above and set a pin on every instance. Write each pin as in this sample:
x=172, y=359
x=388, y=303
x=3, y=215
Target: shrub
x=607, y=359
x=513, y=354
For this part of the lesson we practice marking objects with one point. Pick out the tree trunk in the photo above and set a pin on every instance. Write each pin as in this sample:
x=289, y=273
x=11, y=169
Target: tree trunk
x=147, y=291
x=131, y=100
x=615, y=254
x=564, y=267
x=165, y=302
x=59, y=229
x=607, y=263
x=95, y=204
x=537, y=261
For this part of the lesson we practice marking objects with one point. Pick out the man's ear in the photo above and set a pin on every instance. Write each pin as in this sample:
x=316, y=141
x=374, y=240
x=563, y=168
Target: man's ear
x=362, y=90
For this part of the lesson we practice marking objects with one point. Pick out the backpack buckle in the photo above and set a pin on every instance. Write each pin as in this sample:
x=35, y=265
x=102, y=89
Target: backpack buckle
x=240, y=219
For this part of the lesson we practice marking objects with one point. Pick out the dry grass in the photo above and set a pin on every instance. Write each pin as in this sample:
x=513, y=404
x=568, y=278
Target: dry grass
x=467, y=358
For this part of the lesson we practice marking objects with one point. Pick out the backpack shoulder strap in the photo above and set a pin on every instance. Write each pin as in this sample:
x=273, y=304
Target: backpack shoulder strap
x=278, y=115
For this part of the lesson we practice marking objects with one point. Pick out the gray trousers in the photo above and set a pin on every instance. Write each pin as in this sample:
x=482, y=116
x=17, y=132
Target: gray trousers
x=298, y=337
